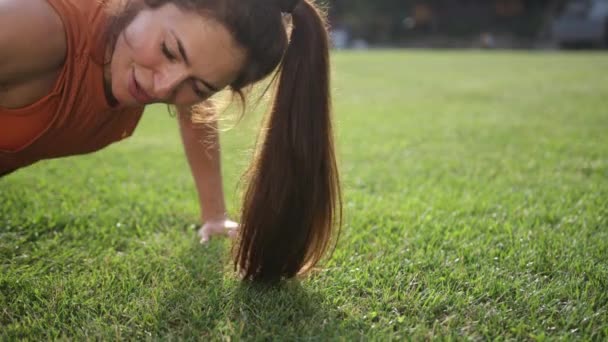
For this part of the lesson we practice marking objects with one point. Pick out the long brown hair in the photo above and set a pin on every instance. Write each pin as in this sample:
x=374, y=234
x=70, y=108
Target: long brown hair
x=292, y=200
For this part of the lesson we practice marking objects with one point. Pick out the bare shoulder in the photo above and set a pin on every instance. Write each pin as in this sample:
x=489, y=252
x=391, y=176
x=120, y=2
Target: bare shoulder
x=32, y=40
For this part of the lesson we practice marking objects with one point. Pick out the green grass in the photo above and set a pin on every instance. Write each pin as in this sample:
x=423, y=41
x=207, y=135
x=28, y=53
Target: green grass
x=476, y=206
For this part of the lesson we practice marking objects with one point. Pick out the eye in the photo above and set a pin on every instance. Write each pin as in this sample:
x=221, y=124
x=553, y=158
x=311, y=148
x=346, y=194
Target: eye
x=171, y=57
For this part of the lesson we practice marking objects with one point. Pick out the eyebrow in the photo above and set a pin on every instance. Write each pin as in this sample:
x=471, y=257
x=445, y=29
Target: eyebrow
x=182, y=52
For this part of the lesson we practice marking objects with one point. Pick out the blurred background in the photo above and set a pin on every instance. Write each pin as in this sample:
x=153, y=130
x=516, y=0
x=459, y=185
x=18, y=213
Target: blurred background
x=507, y=24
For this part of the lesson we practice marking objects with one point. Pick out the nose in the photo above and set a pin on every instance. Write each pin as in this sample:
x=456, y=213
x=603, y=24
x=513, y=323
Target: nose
x=167, y=80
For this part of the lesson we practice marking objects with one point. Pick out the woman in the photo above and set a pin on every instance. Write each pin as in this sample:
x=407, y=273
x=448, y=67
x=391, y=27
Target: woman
x=75, y=76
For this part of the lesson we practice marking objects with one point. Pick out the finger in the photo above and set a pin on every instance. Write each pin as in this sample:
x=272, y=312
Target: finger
x=231, y=233
x=204, y=235
x=228, y=224
x=231, y=228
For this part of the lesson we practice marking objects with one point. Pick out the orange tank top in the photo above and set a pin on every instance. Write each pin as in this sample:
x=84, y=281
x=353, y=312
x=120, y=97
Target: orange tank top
x=75, y=118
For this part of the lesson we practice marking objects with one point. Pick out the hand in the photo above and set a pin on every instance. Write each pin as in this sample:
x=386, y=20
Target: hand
x=217, y=227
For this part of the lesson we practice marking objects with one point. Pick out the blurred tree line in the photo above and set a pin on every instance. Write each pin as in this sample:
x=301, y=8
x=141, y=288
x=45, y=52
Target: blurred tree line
x=393, y=21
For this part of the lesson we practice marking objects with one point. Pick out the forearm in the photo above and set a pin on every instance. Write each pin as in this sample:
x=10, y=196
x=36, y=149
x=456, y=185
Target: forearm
x=202, y=148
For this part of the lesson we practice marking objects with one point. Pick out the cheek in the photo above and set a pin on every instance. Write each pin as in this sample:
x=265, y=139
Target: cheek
x=141, y=45
x=120, y=63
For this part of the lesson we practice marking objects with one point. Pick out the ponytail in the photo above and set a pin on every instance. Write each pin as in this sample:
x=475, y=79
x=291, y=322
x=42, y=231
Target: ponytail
x=293, y=198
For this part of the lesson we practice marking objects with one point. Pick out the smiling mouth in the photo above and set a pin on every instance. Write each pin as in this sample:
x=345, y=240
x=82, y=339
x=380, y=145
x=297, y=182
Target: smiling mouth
x=137, y=92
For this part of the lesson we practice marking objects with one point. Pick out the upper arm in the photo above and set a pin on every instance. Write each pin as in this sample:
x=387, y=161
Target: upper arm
x=32, y=39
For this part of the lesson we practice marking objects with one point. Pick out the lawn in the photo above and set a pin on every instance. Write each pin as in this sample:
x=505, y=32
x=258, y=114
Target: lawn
x=476, y=207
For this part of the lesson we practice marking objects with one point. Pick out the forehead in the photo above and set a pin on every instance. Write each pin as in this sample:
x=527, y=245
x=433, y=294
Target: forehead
x=212, y=51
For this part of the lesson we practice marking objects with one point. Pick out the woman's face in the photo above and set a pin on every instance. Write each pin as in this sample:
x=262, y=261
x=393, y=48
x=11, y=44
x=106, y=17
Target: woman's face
x=173, y=56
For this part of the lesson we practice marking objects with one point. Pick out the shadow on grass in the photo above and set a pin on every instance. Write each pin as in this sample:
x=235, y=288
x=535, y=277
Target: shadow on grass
x=191, y=301
x=284, y=311
x=213, y=303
